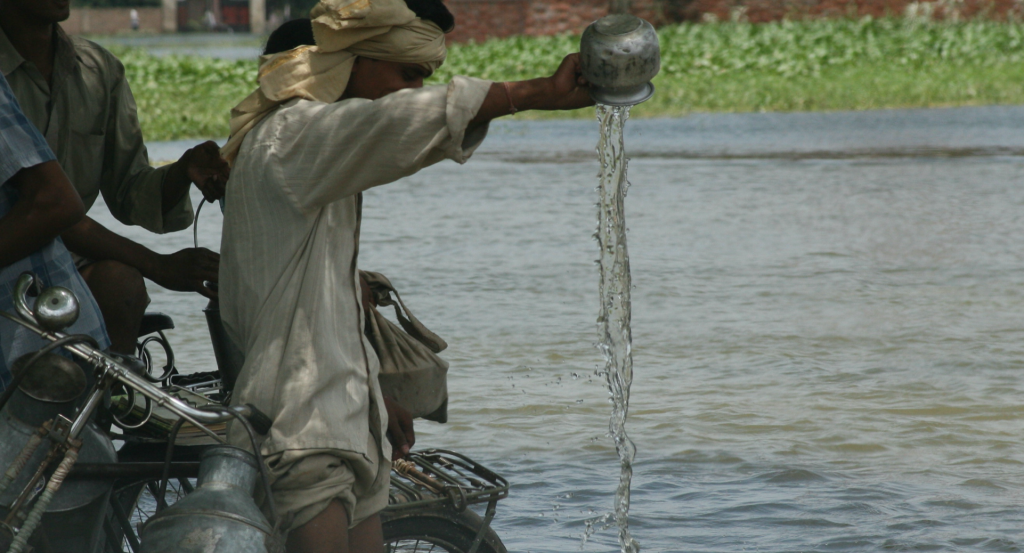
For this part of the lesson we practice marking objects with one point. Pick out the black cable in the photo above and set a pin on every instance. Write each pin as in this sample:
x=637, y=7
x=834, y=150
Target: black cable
x=195, y=224
x=60, y=342
x=260, y=465
x=162, y=490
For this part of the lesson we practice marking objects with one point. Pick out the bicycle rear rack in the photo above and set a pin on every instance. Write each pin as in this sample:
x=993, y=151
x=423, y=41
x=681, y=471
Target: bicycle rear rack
x=437, y=476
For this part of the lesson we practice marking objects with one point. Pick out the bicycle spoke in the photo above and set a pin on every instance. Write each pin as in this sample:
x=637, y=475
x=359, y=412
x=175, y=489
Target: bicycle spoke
x=415, y=545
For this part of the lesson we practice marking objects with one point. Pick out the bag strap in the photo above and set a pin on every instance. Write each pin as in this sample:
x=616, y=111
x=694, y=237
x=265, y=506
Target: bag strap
x=381, y=288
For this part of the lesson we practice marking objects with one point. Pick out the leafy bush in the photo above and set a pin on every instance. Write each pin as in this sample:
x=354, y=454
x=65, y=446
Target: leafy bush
x=787, y=48
x=806, y=65
x=186, y=96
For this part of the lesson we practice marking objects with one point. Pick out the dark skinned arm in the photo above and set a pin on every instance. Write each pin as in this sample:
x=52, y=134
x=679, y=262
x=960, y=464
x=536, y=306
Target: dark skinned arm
x=201, y=165
x=400, y=429
x=47, y=205
x=565, y=90
x=183, y=271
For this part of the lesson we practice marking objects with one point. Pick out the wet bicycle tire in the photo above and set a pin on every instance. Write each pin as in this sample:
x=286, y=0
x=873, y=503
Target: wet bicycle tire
x=437, y=531
x=139, y=504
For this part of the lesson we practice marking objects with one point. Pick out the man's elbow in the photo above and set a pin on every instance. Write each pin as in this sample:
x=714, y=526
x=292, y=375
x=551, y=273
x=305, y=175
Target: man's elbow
x=52, y=197
x=69, y=212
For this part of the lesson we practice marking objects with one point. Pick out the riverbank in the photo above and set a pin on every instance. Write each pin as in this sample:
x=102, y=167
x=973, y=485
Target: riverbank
x=716, y=67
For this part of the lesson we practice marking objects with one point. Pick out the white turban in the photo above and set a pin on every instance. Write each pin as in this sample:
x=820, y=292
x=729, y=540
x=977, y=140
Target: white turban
x=379, y=29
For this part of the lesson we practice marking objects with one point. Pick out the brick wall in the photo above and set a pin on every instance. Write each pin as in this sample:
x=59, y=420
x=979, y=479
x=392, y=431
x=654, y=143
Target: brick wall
x=107, y=21
x=759, y=11
x=482, y=19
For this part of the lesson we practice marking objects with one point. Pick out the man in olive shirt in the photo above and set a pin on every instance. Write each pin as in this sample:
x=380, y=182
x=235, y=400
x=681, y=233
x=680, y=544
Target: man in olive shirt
x=75, y=93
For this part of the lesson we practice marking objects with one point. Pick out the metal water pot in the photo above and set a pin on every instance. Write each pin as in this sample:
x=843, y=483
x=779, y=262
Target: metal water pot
x=220, y=516
x=620, y=55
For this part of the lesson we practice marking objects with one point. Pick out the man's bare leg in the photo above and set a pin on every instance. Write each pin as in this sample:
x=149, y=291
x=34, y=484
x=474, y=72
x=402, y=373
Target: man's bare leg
x=120, y=292
x=367, y=536
x=328, y=533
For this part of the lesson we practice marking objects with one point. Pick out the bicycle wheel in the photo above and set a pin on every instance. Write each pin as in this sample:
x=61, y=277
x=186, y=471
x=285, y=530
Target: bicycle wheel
x=138, y=503
x=436, y=531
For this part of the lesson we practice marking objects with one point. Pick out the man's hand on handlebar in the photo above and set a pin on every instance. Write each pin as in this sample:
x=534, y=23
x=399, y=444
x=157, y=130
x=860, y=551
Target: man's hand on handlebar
x=400, y=431
x=186, y=271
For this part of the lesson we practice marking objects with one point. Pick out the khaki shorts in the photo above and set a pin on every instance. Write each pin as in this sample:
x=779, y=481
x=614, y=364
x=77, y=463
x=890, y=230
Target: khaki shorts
x=305, y=481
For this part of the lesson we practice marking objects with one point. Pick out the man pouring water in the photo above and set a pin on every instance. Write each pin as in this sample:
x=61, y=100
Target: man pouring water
x=327, y=122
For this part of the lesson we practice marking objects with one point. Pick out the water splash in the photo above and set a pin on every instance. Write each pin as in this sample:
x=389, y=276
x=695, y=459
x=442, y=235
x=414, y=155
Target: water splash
x=616, y=339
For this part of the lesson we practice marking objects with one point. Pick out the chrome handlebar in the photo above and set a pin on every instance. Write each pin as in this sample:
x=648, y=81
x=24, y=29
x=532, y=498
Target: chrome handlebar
x=109, y=368
x=21, y=288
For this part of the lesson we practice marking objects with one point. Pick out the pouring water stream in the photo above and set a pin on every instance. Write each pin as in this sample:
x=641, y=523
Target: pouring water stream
x=619, y=55
x=616, y=339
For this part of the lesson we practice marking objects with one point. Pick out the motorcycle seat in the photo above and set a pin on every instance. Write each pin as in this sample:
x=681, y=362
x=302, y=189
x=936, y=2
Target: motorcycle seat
x=155, y=322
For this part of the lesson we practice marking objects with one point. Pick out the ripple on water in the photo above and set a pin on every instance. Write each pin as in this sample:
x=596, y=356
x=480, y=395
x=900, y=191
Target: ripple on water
x=793, y=476
x=781, y=311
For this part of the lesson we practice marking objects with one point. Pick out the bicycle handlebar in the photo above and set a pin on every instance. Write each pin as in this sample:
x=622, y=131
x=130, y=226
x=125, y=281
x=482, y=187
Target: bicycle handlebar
x=110, y=367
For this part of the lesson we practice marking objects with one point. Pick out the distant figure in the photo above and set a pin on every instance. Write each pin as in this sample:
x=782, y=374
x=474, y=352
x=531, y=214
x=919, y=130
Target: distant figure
x=210, y=21
x=133, y=15
x=274, y=21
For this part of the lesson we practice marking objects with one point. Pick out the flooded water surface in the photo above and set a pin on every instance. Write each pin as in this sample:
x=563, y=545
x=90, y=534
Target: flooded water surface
x=828, y=327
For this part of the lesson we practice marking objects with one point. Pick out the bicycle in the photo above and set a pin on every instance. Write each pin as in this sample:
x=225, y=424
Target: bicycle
x=430, y=491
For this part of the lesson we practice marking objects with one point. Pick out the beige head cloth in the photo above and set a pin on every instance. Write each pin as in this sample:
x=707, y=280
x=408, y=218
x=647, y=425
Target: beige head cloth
x=380, y=29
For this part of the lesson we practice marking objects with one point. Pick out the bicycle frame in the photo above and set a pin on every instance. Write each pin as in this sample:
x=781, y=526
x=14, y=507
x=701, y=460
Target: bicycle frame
x=64, y=433
x=435, y=481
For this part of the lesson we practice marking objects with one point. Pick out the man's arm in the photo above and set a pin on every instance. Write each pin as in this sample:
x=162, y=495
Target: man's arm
x=47, y=205
x=138, y=194
x=566, y=89
x=201, y=165
x=183, y=271
x=337, y=150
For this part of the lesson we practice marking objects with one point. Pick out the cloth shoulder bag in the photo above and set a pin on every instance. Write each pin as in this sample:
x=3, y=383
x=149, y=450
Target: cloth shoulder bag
x=411, y=372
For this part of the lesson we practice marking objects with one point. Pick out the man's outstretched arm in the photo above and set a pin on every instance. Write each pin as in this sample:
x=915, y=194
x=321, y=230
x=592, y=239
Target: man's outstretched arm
x=47, y=205
x=183, y=271
x=565, y=90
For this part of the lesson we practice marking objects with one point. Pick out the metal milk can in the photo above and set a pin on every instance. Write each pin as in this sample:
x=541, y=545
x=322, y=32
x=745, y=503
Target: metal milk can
x=73, y=522
x=620, y=55
x=220, y=516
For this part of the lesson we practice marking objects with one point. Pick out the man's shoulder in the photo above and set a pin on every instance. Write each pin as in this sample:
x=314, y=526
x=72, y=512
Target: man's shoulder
x=97, y=58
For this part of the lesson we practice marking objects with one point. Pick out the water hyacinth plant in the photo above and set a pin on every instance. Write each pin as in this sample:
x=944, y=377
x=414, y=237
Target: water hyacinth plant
x=185, y=96
x=729, y=66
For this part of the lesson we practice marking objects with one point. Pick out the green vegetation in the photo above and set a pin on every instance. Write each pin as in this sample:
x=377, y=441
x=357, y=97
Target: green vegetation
x=808, y=65
x=185, y=96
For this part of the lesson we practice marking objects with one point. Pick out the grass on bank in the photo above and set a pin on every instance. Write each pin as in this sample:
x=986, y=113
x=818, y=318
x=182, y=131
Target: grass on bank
x=784, y=66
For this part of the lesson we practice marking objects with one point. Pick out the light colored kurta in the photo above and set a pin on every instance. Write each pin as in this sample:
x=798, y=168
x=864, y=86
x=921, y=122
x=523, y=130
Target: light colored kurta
x=289, y=290
x=89, y=119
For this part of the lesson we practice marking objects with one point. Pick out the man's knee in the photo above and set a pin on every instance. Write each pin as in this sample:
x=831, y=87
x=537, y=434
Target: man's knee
x=115, y=284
